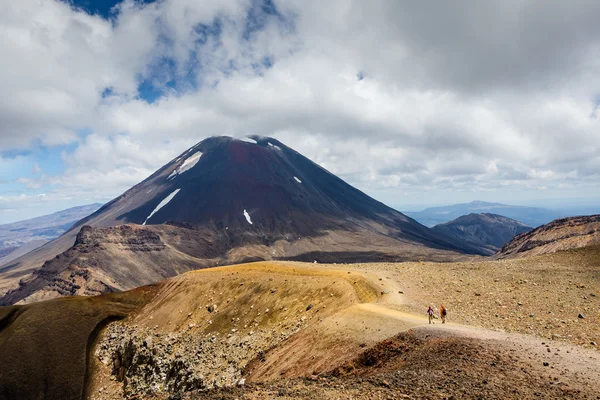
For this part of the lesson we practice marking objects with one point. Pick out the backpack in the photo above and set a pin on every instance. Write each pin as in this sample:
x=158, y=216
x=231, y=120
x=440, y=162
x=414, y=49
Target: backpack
x=444, y=311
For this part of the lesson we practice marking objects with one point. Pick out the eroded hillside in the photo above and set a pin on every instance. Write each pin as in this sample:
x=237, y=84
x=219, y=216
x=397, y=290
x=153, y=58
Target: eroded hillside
x=561, y=234
x=296, y=330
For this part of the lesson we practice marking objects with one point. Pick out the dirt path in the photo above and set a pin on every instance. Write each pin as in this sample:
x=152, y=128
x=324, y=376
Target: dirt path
x=559, y=360
x=339, y=337
x=353, y=311
x=564, y=360
x=379, y=350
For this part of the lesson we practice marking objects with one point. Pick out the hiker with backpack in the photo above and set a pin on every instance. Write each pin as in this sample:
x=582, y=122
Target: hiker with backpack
x=430, y=313
x=443, y=313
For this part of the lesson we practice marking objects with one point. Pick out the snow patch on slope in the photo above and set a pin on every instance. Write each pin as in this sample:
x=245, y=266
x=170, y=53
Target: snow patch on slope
x=188, y=164
x=247, y=217
x=273, y=146
x=248, y=140
x=163, y=203
x=297, y=180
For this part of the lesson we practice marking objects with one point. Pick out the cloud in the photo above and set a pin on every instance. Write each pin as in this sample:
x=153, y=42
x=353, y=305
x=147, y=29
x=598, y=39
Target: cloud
x=400, y=98
x=56, y=63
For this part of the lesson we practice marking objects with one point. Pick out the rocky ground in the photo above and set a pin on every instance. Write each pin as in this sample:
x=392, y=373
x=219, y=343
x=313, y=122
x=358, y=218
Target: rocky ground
x=421, y=364
x=554, y=296
x=149, y=362
x=518, y=329
x=203, y=329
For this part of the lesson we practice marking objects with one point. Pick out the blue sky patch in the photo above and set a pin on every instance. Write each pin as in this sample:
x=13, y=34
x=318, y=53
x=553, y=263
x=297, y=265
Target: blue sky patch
x=104, y=8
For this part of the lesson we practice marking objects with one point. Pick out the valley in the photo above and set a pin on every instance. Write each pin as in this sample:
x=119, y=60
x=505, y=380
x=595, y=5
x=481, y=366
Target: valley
x=19, y=238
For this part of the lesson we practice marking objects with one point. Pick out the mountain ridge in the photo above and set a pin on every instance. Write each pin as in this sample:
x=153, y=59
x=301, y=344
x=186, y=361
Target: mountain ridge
x=20, y=237
x=488, y=231
x=255, y=198
x=530, y=216
x=559, y=235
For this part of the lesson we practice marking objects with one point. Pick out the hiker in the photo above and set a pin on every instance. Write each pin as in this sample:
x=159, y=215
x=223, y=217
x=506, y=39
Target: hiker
x=443, y=313
x=430, y=313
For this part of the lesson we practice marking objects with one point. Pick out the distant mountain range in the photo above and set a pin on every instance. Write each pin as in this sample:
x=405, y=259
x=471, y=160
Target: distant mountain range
x=530, y=216
x=19, y=238
x=489, y=232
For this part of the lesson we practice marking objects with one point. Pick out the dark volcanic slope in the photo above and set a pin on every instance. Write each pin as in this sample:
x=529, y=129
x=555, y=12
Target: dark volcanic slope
x=262, y=187
x=489, y=232
x=561, y=234
x=257, y=192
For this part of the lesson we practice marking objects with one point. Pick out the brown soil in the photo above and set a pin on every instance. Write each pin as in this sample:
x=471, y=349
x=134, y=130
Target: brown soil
x=208, y=325
x=558, y=235
x=364, y=335
x=425, y=364
x=541, y=296
x=438, y=361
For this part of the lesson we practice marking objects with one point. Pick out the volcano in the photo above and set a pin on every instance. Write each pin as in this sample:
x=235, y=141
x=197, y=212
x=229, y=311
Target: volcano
x=222, y=201
x=258, y=187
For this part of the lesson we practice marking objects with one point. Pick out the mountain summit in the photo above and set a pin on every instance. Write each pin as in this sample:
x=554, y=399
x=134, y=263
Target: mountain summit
x=257, y=185
x=223, y=201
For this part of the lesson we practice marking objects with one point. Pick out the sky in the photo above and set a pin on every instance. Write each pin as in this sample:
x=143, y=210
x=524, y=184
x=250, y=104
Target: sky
x=415, y=103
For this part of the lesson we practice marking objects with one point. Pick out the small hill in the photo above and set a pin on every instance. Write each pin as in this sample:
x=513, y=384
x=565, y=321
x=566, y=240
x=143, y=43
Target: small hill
x=489, y=232
x=561, y=234
x=530, y=216
x=53, y=346
x=19, y=238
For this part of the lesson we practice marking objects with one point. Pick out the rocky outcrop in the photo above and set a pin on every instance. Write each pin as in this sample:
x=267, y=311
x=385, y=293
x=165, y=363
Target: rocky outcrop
x=151, y=362
x=126, y=236
x=104, y=260
x=561, y=234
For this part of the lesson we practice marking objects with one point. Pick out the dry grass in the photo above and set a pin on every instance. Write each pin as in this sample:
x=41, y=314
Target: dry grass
x=44, y=346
